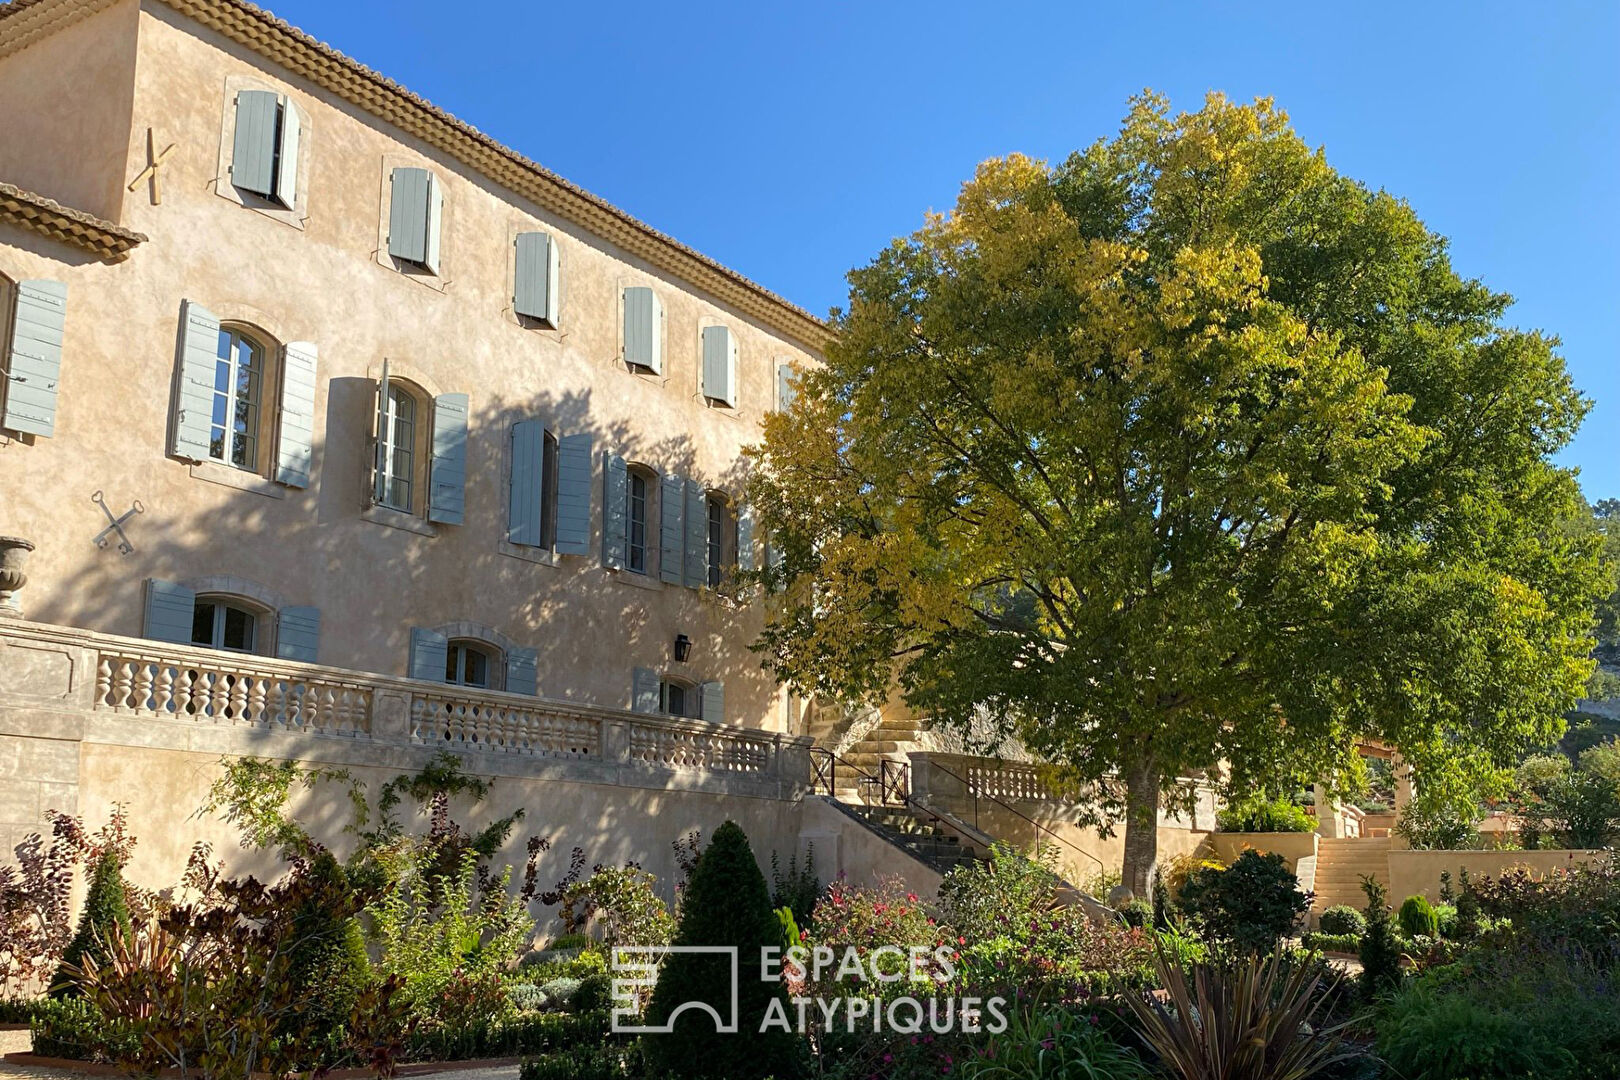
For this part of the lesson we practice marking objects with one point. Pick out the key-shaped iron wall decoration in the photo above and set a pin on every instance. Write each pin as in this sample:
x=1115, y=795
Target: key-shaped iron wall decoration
x=116, y=524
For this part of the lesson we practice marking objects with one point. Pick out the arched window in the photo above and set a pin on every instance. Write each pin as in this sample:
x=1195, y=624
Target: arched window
x=239, y=370
x=397, y=451
x=638, y=509
x=230, y=623
x=469, y=662
x=676, y=697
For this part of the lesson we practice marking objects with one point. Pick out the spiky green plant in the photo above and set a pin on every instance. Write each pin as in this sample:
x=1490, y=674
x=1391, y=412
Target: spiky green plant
x=1248, y=1019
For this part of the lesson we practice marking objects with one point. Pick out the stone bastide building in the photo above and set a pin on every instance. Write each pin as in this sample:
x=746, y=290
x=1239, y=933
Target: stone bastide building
x=332, y=429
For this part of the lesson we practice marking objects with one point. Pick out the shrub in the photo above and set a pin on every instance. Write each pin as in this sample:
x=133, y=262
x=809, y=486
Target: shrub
x=1257, y=1019
x=798, y=887
x=726, y=903
x=509, y=1036
x=1250, y=904
x=1338, y=943
x=1446, y=919
x=1256, y=815
x=579, y=1063
x=1506, y=1014
x=443, y=935
x=1438, y=827
x=561, y=991
x=1380, y=950
x=1136, y=912
x=75, y=1029
x=595, y=993
x=1580, y=903
x=1343, y=919
x=106, y=916
x=1006, y=889
x=526, y=997
x=1044, y=1042
x=1418, y=917
x=624, y=903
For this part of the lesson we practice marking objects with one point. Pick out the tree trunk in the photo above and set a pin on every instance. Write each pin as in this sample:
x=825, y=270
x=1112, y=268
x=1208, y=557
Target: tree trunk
x=1141, y=828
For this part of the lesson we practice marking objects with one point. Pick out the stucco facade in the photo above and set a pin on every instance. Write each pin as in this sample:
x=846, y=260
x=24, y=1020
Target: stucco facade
x=85, y=104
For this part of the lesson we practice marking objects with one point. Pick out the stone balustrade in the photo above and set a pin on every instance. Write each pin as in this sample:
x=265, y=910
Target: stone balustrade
x=55, y=679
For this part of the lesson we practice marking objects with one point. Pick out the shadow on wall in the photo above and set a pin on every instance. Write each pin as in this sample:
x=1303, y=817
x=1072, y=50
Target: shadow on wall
x=373, y=583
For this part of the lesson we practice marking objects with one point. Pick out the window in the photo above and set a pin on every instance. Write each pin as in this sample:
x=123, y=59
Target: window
x=643, y=329
x=415, y=215
x=635, y=517
x=264, y=152
x=233, y=435
x=396, y=450
x=548, y=492
x=471, y=663
x=717, y=538
x=676, y=698
x=220, y=624
x=719, y=370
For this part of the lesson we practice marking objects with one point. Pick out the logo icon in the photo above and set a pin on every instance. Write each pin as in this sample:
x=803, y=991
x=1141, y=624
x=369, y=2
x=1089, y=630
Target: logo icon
x=640, y=964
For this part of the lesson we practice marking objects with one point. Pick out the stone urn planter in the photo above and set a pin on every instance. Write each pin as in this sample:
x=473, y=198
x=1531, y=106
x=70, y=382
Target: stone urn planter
x=13, y=556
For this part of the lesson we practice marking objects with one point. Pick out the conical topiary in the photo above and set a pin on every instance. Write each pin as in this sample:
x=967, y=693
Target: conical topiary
x=726, y=904
x=106, y=912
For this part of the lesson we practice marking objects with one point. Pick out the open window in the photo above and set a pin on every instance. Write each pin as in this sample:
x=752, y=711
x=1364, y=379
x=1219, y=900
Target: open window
x=419, y=462
x=469, y=662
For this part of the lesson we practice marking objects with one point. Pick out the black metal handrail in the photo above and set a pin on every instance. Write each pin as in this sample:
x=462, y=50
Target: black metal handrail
x=972, y=789
x=892, y=785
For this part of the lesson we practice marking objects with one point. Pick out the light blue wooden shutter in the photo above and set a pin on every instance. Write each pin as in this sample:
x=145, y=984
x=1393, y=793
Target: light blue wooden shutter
x=720, y=364
x=447, y=478
x=410, y=221
x=35, y=361
x=296, y=446
x=298, y=634
x=696, y=561
x=194, y=402
x=287, y=160
x=787, y=389
x=643, y=329
x=745, y=537
x=615, y=515
x=528, y=471
x=671, y=528
x=521, y=671
x=253, y=155
x=534, y=294
x=169, y=611
x=644, y=690
x=574, y=495
x=712, y=702
x=430, y=652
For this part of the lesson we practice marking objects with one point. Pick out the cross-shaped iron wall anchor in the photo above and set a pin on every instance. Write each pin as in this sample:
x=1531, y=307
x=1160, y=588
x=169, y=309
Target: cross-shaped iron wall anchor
x=154, y=161
x=116, y=524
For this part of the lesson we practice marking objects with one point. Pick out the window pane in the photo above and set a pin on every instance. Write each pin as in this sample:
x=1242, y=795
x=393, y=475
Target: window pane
x=238, y=629
x=477, y=668
x=451, y=666
x=202, y=624
x=674, y=699
x=638, y=523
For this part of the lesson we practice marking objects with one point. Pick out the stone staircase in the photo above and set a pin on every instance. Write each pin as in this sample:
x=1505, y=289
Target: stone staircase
x=910, y=830
x=1340, y=865
x=892, y=738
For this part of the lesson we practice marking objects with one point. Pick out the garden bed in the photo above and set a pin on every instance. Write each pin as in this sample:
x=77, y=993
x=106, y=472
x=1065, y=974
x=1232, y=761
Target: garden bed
x=26, y=1059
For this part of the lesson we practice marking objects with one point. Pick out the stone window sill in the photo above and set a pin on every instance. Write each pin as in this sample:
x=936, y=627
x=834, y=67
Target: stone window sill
x=630, y=577
x=240, y=479
x=398, y=519
x=542, y=556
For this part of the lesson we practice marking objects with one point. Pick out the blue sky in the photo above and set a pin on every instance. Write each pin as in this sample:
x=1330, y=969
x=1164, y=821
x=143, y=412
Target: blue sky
x=792, y=141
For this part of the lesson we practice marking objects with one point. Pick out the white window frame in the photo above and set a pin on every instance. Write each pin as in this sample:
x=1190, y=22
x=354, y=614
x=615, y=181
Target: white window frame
x=387, y=457
x=222, y=603
x=235, y=334
x=456, y=651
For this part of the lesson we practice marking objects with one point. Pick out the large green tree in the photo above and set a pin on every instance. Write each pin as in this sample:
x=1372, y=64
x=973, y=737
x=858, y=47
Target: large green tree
x=1188, y=450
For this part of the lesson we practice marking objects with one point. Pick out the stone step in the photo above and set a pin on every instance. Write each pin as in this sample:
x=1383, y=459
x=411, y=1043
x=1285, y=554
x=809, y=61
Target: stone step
x=879, y=746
